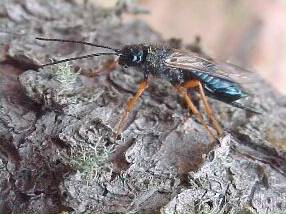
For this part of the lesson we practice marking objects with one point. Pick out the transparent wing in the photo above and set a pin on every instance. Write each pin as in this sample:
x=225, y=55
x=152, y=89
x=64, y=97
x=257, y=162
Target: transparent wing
x=224, y=70
x=194, y=62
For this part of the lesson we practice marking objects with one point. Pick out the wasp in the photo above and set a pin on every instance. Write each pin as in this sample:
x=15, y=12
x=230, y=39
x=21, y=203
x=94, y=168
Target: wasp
x=185, y=70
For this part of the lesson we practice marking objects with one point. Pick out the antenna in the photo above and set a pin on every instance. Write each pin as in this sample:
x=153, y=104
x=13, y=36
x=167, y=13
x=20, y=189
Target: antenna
x=78, y=42
x=76, y=58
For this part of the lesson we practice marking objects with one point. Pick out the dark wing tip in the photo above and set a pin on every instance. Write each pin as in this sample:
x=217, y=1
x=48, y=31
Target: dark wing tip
x=246, y=108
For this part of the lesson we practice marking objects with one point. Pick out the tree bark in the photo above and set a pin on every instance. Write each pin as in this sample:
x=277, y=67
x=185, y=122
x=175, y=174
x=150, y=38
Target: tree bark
x=57, y=126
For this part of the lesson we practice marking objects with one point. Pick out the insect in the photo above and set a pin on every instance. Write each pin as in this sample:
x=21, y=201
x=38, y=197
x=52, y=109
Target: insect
x=185, y=70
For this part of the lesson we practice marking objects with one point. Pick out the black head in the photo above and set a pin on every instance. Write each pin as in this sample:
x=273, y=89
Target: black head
x=133, y=55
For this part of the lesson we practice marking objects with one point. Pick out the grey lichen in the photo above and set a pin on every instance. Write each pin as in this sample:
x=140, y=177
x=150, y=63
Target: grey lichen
x=65, y=75
x=91, y=160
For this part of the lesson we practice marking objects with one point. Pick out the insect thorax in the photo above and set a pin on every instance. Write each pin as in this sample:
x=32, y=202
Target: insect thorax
x=155, y=64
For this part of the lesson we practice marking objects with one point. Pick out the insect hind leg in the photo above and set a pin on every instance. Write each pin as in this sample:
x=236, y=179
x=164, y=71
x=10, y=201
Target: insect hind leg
x=183, y=91
x=211, y=116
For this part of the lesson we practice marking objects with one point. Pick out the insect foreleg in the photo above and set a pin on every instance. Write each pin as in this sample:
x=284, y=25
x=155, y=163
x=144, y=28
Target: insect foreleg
x=197, y=83
x=130, y=106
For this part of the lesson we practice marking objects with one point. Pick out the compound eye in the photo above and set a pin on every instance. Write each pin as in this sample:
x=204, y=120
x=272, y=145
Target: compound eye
x=137, y=57
x=134, y=58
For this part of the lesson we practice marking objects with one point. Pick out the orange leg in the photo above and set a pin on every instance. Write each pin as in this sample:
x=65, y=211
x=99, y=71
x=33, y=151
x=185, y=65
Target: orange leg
x=183, y=91
x=130, y=106
x=196, y=83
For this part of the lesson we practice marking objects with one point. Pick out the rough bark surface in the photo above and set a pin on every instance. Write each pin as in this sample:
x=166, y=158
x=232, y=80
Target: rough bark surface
x=57, y=125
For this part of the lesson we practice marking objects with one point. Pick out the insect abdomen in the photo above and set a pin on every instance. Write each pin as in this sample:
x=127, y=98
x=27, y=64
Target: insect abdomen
x=220, y=89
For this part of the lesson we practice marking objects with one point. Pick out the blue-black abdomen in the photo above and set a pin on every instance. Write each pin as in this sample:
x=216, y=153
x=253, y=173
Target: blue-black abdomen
x=219, y=88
